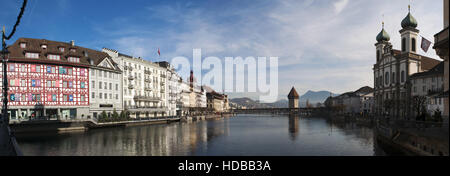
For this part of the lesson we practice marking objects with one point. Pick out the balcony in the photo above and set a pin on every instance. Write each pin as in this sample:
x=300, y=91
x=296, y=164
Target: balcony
x=130, y=77
x=148, y=89
x=163, y=76
x=441, y=41
x=163, y=91
x=148, y=80
x=147, y=72
x=163, y=84
x=146, y=98
x=131, y=86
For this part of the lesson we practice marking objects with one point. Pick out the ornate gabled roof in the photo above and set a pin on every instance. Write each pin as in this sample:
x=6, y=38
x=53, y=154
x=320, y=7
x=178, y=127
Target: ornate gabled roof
x=293, y=94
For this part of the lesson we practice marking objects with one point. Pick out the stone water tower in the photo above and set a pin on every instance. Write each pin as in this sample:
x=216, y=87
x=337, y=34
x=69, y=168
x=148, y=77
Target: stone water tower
x=293, y=99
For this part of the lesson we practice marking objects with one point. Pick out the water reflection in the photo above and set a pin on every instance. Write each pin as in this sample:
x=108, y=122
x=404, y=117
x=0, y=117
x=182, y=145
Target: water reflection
x=293, y=126
x=241, y=135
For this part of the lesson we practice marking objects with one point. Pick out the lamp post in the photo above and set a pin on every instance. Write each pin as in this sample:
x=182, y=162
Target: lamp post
x=5, y=56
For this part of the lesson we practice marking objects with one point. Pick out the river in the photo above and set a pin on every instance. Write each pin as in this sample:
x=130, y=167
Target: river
x=242, y=135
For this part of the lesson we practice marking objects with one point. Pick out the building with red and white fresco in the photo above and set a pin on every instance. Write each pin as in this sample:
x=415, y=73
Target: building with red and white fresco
x=49, y=79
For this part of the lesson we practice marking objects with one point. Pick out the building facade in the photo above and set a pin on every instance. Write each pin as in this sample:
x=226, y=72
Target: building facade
x=144, y=86
x=48, y=79
x=441, y=45
x=105, y=86
x=430, y=84
x=393, y=69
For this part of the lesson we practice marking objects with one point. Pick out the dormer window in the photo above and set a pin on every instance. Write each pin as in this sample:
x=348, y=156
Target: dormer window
x=54, y=57
x=23, y=45
x=74, y=59
x=61, y=49
x=44, y=46
x=32, y=55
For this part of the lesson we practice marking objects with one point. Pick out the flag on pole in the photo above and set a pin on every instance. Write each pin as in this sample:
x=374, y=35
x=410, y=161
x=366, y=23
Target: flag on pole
x=159, y=53
x=425, y=44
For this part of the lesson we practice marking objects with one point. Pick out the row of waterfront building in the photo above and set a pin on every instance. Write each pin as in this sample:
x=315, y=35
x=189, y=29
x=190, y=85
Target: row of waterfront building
x=61, y=80
x=401, y=77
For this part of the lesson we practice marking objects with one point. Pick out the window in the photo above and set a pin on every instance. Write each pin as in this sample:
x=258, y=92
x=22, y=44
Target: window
x=106, y=85
x=100, y=85
x=424, y=88
x=23, y=45
x=110, y=96
x=413, y=45
x=93, y=84
x=32, y=55
x=61, y=49
x=82, y=85
x=415, y=89
x=82, y=72
x=110, y=86
x=378, y=55
x=73, y=50
x=70, y=84
x=403, y=44
x=403, y=76
x=393, y=78
x=100, y=73
x=117, y=86
x=93, y=94
x=117, y=97
x=73, y=59
x=386, y=78
x=82, y=98
x=64, y=84
x=44, y=46
x=93, y=73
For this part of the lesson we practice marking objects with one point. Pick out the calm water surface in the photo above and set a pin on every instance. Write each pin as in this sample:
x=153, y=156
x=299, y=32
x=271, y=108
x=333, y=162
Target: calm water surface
x=243, y=135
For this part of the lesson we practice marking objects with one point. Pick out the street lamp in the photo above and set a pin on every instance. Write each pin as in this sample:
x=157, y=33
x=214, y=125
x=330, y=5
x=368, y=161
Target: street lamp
x=5, y=57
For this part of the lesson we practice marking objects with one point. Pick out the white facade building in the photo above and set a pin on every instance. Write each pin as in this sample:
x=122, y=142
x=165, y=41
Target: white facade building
x=105, y=87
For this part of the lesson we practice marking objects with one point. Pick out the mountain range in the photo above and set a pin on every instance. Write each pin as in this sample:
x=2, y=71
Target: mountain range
x=312, y=97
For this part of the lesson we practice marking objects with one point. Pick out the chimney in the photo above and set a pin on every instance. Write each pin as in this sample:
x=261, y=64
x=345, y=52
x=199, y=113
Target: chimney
x=72, y=43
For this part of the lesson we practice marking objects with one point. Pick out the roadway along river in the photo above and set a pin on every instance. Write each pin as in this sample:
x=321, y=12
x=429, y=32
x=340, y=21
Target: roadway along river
x=243, y=135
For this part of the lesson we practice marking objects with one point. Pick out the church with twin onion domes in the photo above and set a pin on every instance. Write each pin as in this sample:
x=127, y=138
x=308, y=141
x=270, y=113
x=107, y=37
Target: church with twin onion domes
x=393, y=68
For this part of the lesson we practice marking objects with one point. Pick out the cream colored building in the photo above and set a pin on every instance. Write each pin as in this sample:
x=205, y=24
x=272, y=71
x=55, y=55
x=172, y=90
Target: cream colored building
x=393, y=69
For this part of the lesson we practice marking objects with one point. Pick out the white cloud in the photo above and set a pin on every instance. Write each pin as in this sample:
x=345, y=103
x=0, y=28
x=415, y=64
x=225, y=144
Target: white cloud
x=318, y=49
x=340, y=5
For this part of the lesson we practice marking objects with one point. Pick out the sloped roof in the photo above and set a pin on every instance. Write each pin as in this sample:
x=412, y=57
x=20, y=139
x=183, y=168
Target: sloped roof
x=364, y=90
x=436, y=70
x=293, y=94
x=427, y=63
x=34, y=45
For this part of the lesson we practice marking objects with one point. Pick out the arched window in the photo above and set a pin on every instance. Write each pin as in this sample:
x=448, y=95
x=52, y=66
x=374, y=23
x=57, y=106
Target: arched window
x=378, y=55
x=403, y=76
x=404, y=44
x=393, y=78
x=413, y=45
x=386, y=77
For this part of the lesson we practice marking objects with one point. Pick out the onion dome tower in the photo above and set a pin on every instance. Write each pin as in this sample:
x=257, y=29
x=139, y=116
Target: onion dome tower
x=383, y=39
x=409, y=33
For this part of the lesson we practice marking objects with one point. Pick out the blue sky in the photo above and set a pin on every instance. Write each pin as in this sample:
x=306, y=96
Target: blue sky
x=321, y=44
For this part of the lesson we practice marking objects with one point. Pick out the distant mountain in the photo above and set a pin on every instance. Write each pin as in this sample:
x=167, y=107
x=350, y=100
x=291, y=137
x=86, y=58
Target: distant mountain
x=315, y=97
x=249, y=103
